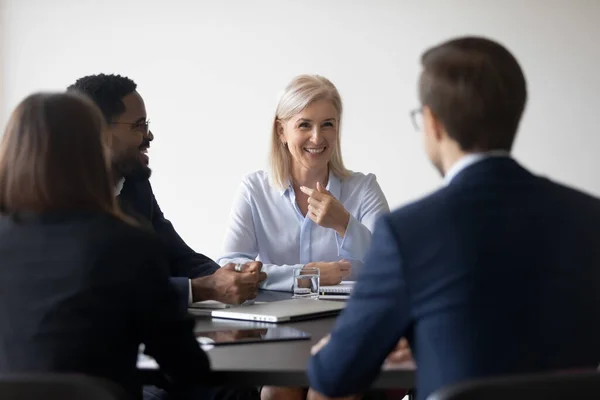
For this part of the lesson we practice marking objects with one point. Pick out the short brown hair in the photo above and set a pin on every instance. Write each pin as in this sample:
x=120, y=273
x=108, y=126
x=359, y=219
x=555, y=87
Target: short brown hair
x=477, y=89
x=53, y=157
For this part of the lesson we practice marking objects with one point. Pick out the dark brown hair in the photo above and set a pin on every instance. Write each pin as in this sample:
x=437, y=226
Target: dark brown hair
x=53, y=157
x=477, y=90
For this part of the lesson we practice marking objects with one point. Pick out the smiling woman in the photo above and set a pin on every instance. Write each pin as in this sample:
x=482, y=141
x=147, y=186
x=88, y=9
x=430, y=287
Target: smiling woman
x=309, y=211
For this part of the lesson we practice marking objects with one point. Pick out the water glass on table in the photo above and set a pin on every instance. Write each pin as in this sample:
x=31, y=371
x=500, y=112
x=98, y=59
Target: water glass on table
x=306, y=283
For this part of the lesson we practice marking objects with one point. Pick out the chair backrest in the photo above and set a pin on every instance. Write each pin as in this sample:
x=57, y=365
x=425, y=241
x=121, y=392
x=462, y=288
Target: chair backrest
x=53, y=386
x=551, y=386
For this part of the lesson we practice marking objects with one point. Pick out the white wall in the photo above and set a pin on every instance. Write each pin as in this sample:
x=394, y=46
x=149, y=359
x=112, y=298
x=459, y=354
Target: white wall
x=211, y=71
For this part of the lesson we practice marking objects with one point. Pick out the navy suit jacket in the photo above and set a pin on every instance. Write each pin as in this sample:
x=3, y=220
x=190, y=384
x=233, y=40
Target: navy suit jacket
x=80, y=291
x=137, y=200
x=496, y=273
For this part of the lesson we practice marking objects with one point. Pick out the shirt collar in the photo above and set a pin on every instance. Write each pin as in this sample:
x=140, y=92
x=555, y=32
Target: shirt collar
x=334, y=185
x=286, y=189
x=119, y=186
x=470, y=159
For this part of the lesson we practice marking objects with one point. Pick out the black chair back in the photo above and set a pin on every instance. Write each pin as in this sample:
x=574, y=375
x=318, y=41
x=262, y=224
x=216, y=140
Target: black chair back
x=552, y=386
x=58, y=387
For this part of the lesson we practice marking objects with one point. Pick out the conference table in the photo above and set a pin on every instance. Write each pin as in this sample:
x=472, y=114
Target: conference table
x=274, y=363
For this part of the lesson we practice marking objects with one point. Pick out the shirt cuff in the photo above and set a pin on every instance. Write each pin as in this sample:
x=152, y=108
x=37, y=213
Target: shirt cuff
x=190, y=297
x=350, y=246
x=280, y=278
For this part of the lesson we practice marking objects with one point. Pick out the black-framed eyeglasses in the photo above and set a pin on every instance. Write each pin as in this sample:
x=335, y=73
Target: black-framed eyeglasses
x=141, y=126
x=416, y=117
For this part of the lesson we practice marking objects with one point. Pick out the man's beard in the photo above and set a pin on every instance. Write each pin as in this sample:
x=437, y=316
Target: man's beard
x=131, y=169
x=130, y=166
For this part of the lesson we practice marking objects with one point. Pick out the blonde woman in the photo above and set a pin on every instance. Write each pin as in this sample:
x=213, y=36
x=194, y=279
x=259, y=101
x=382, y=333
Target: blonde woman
x=309, y=210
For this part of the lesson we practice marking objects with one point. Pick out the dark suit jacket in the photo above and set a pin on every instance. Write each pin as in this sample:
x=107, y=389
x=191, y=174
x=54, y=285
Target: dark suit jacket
x=80, y=291
x=137, y=200
x=497, y=273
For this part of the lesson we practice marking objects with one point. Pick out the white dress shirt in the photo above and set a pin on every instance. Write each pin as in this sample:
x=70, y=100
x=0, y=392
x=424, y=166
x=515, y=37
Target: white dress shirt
x=267, y=225
x=470, y=159
x=119, y=186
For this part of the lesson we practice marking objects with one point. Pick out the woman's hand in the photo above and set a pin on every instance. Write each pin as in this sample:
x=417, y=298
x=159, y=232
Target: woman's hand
x=326, y=210
x=331, y=273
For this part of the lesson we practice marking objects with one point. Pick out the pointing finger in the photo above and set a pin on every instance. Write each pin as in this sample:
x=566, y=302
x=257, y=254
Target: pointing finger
x=322, y=189
x=313, y=193
x=306, y=190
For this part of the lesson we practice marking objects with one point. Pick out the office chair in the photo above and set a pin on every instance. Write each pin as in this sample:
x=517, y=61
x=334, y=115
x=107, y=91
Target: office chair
x=54, y=386
x=549, y=386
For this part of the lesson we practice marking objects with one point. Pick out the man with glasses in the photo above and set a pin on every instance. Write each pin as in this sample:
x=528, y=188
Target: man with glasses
x=194, y=276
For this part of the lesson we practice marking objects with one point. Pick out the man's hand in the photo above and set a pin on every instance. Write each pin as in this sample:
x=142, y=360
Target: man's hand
x=313, y=394
x=229, y=286
x=401, y=353
x=317, y=347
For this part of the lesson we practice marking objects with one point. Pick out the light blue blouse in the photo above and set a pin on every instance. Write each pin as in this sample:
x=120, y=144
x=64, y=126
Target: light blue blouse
x=267, y=225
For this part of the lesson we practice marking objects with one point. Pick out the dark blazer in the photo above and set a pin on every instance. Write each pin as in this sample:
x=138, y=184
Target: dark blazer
x=137, y=199
x=497, y=273
x=80, y=291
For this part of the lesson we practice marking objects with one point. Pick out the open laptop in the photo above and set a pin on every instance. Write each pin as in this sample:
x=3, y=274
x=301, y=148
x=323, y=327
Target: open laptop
x=282, y=311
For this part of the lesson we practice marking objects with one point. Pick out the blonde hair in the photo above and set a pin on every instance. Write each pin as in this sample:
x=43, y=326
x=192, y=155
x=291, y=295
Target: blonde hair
x=301, y=92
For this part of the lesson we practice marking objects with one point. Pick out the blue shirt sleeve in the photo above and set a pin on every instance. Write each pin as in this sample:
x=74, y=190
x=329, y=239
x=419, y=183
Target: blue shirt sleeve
x=241, y=245
x=357, y=240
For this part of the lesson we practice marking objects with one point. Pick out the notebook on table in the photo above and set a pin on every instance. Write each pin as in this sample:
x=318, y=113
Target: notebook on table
x=282, y=311
x=342, y=290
